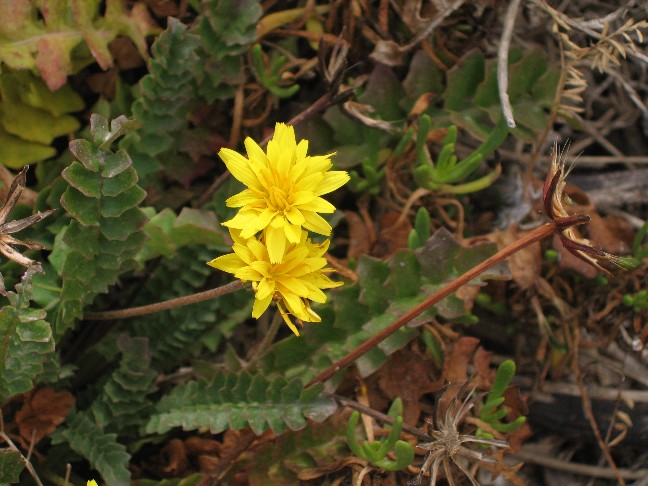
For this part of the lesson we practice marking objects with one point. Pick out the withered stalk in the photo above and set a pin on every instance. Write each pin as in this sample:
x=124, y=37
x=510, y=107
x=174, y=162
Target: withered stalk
x=537, y=234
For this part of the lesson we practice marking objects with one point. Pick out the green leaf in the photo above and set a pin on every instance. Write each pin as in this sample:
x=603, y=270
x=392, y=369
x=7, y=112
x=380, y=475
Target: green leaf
x=11, y=465
x=463, y=79
x=224, y=403
x=84, y=209
x=102, y=450
x=113, y=207
x=15, y=152
x=83, y=179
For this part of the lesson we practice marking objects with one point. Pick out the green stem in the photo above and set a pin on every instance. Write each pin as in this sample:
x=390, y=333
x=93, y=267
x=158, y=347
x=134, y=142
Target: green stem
x=267, y=340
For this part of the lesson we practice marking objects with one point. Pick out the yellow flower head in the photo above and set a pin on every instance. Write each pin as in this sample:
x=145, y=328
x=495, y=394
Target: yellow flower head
x=292, y=283
x=283, y=191
x=92, y=482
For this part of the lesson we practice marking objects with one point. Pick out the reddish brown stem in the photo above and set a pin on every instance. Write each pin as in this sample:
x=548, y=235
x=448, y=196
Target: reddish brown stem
x=166, y=305
x=536, y=235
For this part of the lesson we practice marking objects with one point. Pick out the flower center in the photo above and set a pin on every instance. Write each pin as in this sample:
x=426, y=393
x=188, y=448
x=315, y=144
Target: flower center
x=277, y=199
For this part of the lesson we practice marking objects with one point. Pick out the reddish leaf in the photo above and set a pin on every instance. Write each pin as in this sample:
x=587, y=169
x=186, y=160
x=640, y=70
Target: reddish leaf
x=15, y=16
x=53, y=62
x=42, y=411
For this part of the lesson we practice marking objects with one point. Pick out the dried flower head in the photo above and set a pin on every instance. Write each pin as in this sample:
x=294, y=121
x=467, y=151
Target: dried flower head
x=9, y=227
x=554, y=204
x=448, y=443
x=283, y=191
x=292, y=284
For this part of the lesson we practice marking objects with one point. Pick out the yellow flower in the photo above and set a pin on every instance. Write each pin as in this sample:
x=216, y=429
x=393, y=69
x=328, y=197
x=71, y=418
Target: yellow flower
x=291, y=284
x=92, y=482
x=283, y=191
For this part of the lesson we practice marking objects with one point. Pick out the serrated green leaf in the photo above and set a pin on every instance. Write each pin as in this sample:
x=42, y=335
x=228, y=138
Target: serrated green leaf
x=83, y=179
x=84, y=209
x=15, y=152
x=372, y=273
x=214, y=404
x=115, y=164
x=112, y=207
x=121, y=228
x=32, y=124
x=436, y=257
x=121, y=182
x=90, y=156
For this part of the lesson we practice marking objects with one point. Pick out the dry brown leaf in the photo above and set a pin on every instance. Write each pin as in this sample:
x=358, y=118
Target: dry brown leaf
x=318, y=472
x=392, y=237
x=201, y=445
x=408, y=375
x=176, y=455
x=359, y=235
x=455, y=368
x=43, y=410
x=485, y=375
x=524, y=264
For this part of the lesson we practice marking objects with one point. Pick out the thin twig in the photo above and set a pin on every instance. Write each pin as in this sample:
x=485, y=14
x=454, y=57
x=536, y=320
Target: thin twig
x=526, y=455
x=538, y=234
x=166, y=305
x=381, y=417
x=502, y=61
x=589, y=413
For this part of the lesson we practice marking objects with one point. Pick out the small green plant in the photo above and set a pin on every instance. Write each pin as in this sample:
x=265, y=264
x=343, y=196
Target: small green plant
x=638, y=301
x=492, y=411
x=376, y=451
x=446, y=174
x=639, y=248
x=421, y=231
x=271, y=76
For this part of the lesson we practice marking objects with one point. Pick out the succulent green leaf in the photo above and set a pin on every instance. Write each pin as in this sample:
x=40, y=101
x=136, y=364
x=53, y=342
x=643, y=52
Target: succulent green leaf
x=83, y=179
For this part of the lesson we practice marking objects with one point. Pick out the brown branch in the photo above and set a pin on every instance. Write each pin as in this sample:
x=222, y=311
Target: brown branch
x=168, y=304
x=534, y=236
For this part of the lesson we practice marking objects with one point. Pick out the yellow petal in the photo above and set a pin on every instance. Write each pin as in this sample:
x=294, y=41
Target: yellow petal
x=286, y=319
x=301, y=197
x=318, y=205
x=290, y=285
x=242, y=221
x=314, y=222
x=294, y=216
x=293, y=232
x=248, y=274
x=310, y=183
x=275, y=239
x=319, y=163
x=230, y=263
x=260, y=305
x=296, y=307
x=239, y=166
x=255, y=153
x=242, y=198
x=332, y=181
x=265, y=288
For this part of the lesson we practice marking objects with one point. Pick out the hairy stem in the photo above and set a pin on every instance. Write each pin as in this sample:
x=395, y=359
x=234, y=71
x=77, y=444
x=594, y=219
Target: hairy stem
x=538, y=234
x=166, y=305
